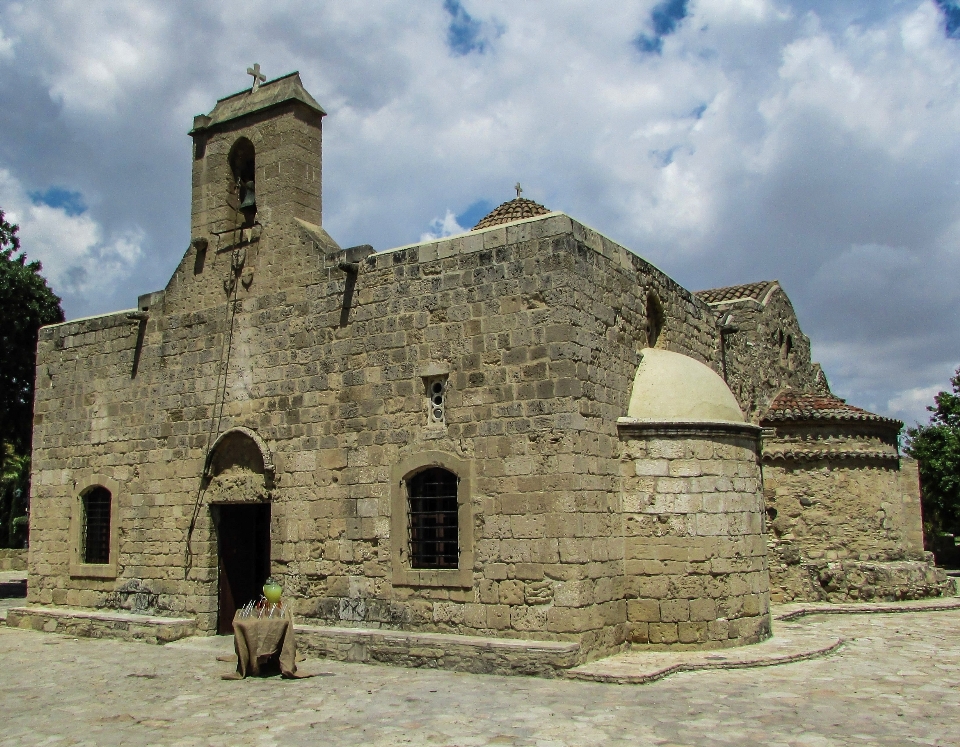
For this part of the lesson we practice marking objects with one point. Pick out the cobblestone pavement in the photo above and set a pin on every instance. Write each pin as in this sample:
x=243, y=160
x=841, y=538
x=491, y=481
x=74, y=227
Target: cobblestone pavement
x=896, y=681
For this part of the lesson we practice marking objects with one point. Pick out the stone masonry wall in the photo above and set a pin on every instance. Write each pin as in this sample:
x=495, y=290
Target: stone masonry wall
x=538, y=324
x=847, y=531
x=696, y=565
x=756, y=369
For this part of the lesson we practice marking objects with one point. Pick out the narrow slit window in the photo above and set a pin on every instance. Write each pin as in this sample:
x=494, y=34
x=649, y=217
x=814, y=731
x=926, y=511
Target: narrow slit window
x=96, y=526
x=655, y=319
x=786, y=351
x=433, y=520
x=436, y=399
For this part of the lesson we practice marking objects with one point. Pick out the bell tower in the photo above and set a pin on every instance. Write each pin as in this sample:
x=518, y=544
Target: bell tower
x=257, y=158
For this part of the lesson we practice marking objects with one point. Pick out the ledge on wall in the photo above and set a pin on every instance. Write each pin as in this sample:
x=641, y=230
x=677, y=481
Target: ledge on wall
x=631, y=426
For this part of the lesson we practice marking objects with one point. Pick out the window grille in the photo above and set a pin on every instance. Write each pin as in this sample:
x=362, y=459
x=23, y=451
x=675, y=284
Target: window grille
x=434, y=535
x=96, y=526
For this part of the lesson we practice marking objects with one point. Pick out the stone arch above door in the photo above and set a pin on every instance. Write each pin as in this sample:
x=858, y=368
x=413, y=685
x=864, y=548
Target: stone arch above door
x=240, y=468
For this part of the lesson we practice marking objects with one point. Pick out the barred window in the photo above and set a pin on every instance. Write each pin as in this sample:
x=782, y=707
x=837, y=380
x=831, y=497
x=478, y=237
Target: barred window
x=434, y=534
x=96, y=526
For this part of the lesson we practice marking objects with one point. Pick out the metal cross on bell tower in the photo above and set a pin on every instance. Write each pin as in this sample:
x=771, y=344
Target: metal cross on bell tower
x=258, y=77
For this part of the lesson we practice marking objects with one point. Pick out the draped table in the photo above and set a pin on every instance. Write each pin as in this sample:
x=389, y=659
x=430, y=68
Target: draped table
x=262, y=643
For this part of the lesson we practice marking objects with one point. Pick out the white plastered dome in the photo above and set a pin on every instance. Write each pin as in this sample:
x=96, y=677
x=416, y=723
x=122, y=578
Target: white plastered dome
x=672, y=388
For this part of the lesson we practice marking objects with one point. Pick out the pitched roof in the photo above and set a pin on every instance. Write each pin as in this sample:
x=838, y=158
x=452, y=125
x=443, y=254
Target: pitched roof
x=272, y=93
x=516, y=209
x=793, y=405
x=754, y=291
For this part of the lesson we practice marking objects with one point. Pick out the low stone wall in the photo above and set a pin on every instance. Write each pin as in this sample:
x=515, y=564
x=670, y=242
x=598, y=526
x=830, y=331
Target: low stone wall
x=13, y=560
x=86, y=624
x=439, y=651
x=854, y=580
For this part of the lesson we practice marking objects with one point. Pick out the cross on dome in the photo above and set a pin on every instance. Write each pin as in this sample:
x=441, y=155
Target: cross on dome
x=518, y=188
x=258, y=77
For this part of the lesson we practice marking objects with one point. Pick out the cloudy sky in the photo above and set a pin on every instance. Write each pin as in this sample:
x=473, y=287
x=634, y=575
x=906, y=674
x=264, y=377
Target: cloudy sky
x=727, y=141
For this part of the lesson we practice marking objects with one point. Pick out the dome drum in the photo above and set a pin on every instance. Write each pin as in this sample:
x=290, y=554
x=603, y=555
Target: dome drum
x=693, y=510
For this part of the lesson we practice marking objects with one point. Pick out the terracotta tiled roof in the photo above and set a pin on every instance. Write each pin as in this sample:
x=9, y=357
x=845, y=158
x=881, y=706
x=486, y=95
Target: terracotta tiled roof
x=517, y=209
x=793, y=405
x=755, y=291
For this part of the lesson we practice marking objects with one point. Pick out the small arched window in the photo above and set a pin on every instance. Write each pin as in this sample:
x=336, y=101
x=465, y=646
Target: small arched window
x=95, y=531
x=655, y=319
x=433, y=519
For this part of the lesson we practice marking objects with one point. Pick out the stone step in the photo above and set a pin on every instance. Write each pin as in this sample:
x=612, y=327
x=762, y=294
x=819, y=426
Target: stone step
x=125, y=626
x=462, y=653
x=796, y=610
x=374, y=646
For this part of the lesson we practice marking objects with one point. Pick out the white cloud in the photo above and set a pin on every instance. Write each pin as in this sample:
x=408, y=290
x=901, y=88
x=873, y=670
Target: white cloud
x=738, y=11
x=811, y=142
x=77, y=260
x=910, y=405
x=91, y=60
x=442, y=227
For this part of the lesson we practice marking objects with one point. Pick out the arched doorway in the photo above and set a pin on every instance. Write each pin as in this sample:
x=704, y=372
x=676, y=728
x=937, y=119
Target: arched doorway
x=239, y=476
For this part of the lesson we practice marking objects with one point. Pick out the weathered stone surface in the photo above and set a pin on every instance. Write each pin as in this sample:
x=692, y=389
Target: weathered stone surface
x=764, y=351
x=835, y=485
x=843, y=506
x=694, y=551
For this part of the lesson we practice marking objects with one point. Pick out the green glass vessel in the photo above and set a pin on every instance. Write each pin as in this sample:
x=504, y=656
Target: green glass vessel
x=272, y=591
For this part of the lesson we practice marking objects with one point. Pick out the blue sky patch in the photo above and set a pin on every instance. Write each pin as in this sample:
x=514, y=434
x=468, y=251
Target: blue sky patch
x=665, y=17
x=59, y=197
x=465, y=33
x=663, y=158
x=472, y=215
x=951, y=13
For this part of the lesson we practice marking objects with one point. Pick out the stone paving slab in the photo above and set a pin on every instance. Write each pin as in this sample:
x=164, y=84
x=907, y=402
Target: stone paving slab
x=895, y=682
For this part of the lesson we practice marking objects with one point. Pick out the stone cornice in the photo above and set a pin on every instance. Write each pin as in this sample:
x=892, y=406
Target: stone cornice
x=680, y=429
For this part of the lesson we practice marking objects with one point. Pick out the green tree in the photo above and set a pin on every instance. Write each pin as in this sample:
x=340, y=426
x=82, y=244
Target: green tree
x=936, y=447
x=26, y=304
x=14, y=497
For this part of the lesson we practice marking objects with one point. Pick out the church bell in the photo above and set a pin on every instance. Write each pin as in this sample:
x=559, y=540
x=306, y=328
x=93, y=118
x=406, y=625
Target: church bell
x=249, y=201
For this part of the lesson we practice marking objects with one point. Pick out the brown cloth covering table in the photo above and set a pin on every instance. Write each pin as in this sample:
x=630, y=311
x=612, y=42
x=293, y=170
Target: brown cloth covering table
x=258, y=639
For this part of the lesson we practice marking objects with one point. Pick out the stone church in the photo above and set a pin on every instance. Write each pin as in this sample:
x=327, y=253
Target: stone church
x=526, y=431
